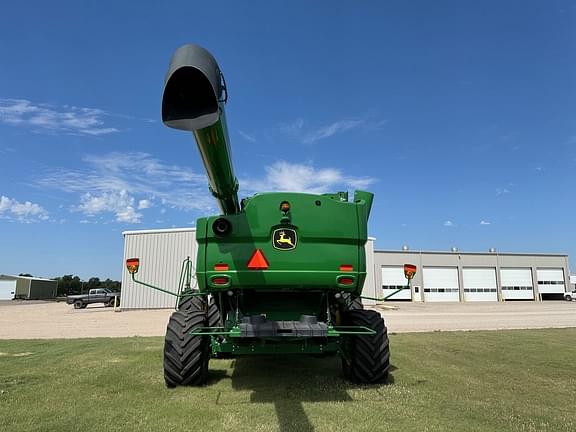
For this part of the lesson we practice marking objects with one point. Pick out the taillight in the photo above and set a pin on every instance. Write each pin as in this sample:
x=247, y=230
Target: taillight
x=345, y=280
x=221, y=267
x=220, y=280
x=346, y=268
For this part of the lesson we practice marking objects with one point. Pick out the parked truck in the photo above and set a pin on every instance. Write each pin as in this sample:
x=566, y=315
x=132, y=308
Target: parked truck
x=278, y=273
x=98, y=295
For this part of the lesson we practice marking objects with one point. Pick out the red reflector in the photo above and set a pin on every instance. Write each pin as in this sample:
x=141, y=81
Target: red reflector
x=409, y=271
x=346, y=281
x=132, y=264
x=221, y=267
x=220, y=280
x=257, y=261
x=346, y=267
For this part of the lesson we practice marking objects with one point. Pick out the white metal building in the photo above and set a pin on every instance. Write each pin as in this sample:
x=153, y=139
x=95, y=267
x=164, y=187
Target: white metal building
x=468, y=276
x=161, y=254
x=7, y=288
x=441, y=276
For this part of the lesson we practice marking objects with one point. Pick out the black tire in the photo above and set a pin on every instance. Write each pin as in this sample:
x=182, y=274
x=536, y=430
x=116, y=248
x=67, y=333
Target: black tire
x=568, y=298
x=78, y=304
x=214, y=319
x=366, y=359
x=186, y=356
x=352, y=303
x=84, y=305
x=190, y=302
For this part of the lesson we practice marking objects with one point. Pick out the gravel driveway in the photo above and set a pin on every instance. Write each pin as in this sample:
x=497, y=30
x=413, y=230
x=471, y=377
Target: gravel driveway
x=46, y=320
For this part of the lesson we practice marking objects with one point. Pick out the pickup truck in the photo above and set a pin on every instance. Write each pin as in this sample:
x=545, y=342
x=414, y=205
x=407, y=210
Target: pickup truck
x=98, y=295
x=570, y=296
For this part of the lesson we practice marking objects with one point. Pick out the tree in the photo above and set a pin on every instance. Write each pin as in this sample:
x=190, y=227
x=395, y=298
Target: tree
x=70, y=285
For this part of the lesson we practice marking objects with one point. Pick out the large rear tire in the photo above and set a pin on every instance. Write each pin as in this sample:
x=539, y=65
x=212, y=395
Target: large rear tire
x=186, y=356
x=187, y=303
x=352, y=303
x=366, y=359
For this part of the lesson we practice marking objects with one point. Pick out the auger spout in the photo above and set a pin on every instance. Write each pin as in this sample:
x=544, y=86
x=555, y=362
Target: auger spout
x=193, y=100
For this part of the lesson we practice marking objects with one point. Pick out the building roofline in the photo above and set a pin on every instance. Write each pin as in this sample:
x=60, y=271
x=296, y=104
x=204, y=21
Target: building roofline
x=26, y=277
x=469, y=253
x=158, y=231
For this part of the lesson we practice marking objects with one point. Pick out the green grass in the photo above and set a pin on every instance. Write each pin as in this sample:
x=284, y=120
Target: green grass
x=462, y=381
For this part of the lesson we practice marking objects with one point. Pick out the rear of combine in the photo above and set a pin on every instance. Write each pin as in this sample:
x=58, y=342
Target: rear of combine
x=278, y=273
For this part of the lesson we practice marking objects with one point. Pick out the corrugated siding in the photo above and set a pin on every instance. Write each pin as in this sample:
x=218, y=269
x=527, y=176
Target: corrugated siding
x=161, y=255
x=41, y=289
x=22, y=288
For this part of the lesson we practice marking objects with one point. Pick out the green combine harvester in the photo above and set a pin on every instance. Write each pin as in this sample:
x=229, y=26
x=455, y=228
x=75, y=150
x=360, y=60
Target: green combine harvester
x=277, y=273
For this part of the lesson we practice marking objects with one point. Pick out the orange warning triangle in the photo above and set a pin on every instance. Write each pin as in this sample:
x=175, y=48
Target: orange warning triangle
x=258, y=261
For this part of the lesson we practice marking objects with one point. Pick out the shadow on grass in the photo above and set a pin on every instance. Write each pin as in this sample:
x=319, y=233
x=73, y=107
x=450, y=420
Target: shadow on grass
x=289, y=381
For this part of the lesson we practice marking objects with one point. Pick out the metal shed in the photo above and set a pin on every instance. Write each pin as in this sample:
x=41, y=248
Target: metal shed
x=32, y=288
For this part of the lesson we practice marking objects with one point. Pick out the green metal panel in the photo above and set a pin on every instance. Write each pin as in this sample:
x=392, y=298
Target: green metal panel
x=330, y=233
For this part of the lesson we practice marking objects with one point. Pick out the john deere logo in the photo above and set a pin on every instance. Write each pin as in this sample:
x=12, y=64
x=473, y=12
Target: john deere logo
x=284, y=239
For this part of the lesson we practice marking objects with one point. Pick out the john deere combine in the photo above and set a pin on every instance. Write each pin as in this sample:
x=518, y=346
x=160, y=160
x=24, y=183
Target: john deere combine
x=278, y=273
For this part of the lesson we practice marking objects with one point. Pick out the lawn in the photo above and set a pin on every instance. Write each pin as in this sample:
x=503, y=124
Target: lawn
x=461, y=381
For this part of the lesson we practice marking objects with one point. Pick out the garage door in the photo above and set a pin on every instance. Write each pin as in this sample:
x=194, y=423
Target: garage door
x=551, y=281
x=441, y=284
x=7, y=289
x=392, y=280
x=516, y=283
x=480, y=284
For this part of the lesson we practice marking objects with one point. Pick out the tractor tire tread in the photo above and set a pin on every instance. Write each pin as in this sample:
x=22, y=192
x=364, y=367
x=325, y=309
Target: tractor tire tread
x=368, y=355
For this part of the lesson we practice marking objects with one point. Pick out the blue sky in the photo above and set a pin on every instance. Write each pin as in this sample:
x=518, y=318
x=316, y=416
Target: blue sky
x=458, y=115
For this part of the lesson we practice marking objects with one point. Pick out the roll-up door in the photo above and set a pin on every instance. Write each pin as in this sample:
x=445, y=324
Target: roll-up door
x=441, y=284
x=516, y=283
x=479, y=284
x=551, y=281
x=392, y=281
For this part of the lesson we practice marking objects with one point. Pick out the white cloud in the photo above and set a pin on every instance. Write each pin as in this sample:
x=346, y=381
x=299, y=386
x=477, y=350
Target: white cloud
x=293, y=177
x=300, y=131
x=123, y=183
x=144, y=204
x=118, y=202
x=25, y=212
x=502, y=191
x=65, y=119
x=448, y=223
x=248, y=137
x=331, y=129
x=483, y=222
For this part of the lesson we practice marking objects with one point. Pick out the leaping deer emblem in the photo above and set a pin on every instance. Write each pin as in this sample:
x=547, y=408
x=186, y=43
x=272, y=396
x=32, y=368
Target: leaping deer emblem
x=283, y=239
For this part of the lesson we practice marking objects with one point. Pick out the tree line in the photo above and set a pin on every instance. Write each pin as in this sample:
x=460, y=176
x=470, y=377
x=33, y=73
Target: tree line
x=70, y=285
